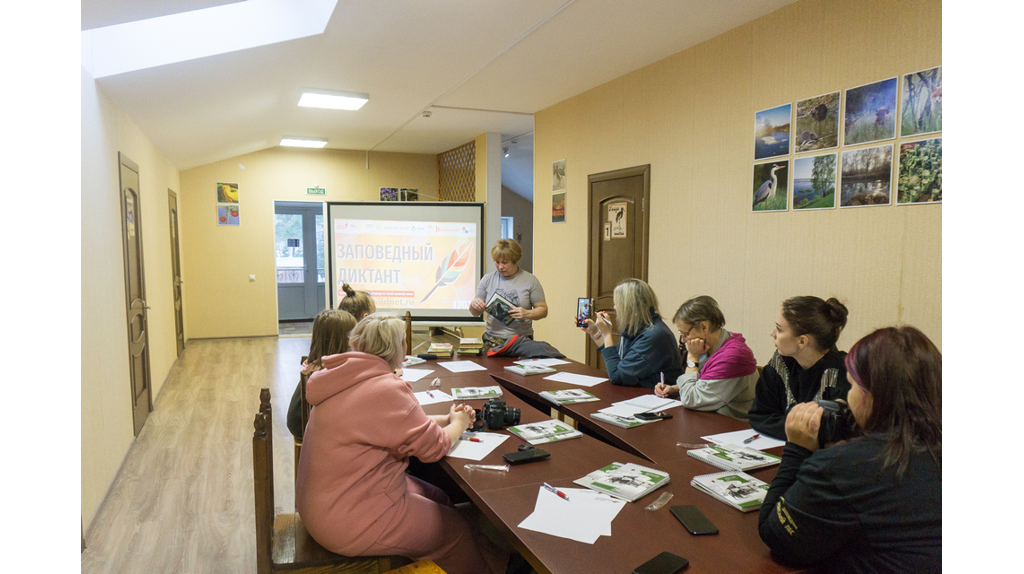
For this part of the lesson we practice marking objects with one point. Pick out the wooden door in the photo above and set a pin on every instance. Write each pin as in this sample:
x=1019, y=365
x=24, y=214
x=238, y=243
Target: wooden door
x=618, y=243
x=135, y=292
x=179, y=322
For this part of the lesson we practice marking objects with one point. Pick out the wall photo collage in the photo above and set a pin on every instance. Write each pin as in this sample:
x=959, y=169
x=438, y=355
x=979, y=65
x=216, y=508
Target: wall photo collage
x=805, y=158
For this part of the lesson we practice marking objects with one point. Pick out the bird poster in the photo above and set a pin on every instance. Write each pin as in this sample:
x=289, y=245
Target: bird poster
x=771, y=186
x=817, y=123
x=921, y=104
x=227, y=193
x=617, y=219
x=814, y=182
x=558, y=175
x=920, y=173
x=870, y=113
x=866, y=176
x=771, y=132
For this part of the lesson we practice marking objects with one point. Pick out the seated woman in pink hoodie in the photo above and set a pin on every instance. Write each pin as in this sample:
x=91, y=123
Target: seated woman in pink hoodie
x=352, y=490
x=721, y=372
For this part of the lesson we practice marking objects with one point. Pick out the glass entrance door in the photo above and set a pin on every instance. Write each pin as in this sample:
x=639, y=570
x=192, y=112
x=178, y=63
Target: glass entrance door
x=299, y=258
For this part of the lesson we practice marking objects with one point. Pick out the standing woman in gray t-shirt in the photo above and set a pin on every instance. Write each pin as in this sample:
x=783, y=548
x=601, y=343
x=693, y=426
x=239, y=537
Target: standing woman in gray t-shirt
x=521, y=289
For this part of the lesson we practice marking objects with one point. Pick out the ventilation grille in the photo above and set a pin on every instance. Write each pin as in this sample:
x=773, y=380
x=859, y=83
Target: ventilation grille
x=456, y=171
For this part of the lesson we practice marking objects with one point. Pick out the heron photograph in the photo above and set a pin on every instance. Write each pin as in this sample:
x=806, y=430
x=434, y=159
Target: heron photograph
x=771, y=132
x=921, y=103
x=817, y=123
x=866, y=177
x=870, y=113
x=771, y=186
x=814, y=182
x=920, y=172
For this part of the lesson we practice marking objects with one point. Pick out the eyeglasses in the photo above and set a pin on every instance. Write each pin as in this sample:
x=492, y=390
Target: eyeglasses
x=684, y=334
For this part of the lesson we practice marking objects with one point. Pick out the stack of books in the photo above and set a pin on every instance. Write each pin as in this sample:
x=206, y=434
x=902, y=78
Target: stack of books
x=567, y=396
x=442, y=350
x=732, y=457
x=737, y=489
x=471, y=346
x=543, y=432
x=626, y=481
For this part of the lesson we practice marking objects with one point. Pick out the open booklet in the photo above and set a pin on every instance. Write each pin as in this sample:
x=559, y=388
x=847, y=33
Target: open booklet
x=499, y=308
x=545, y=431
x=626, y=481
x=737, y=489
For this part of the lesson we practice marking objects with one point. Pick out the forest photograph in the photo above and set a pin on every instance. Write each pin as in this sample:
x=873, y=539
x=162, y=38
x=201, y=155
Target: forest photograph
x=870, y=113
x=921, y=103
x=817, y=123
x=866, y=176
x=920, y=173
x=814, y=182
x=771, y=132
x=771, y=189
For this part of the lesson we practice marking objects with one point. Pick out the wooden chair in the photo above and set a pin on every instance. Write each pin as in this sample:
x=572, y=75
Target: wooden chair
x=282, y=542
x=408, y=332
x=305, y=415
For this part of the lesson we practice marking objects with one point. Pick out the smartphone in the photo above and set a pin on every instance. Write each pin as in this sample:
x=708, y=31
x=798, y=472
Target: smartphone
x=522, y=456
x=582, y=311
x=664, y=563
x=652, y=416
x=693, y=520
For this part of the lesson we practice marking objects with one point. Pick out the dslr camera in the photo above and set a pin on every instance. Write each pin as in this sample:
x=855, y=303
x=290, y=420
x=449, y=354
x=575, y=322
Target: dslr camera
x=837, y=423
x=496, y=416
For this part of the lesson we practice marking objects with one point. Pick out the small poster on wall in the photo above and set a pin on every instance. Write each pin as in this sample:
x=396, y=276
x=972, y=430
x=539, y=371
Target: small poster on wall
x=558, y=207
x=227, y=193
x=771, y=186
x=410, y=194
x=817, y=123
x=558, y=175
x=227, y=215
x=866, y=177
x=922, y=103
x=389, y=194
x=870, y=113
x=814, y=182
x=920, y=175
x=771, y=131
x=617, y=219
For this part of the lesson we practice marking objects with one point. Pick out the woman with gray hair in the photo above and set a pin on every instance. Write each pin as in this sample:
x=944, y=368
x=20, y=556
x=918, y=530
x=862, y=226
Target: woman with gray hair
x=352, y=491
x=720, y=369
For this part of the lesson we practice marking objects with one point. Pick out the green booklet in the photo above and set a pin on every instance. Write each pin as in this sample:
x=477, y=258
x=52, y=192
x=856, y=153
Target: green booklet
x=567, y=396
x=732, y=457
x=737, y=489
x=473, y=393
x=627, y=481
x=543, y=432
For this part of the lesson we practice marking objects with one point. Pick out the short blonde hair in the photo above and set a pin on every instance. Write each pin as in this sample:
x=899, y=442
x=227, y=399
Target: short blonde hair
x=507, y=249
x=636, y=303
x=382, y=335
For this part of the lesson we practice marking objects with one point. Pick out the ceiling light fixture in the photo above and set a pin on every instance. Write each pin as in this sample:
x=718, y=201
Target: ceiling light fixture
x=332, y=100
x=505, y=149
x=303, y=142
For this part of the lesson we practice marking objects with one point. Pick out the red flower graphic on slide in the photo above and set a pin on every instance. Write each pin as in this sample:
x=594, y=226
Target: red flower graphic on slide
x=451, y=267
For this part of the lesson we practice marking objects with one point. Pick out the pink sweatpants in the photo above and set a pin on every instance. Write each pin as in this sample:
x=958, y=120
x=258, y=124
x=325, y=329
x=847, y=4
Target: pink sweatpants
x=428, y=527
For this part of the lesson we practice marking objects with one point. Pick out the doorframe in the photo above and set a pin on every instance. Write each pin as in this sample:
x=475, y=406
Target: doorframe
x=273, y=260
x=176, y=253
x=645, y=171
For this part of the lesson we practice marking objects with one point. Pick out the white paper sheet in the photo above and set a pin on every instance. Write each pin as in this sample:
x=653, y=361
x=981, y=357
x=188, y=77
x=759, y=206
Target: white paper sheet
x=737, y=438
x=413, y=375
x=650, y=403
x=574, y=379
x=545, y=362
x=431, y=397
x=586, y=516
x=462, y=366
x=476, y=450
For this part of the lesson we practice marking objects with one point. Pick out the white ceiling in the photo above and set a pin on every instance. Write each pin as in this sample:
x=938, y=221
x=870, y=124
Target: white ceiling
x=478, y=66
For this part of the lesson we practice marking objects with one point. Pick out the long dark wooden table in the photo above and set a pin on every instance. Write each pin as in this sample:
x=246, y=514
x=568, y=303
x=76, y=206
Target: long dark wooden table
x=506, y=499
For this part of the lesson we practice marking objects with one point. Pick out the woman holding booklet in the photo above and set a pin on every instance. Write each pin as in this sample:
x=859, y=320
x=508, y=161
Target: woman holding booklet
x=520, y=288
x=720, y=371
x=873, y=504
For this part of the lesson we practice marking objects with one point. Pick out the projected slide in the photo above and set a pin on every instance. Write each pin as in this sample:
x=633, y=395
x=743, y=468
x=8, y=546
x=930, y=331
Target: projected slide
x=426, y=265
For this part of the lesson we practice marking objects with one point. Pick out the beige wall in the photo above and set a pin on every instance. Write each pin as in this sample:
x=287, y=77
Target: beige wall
x=521, y=211
x=691, y=116
x=217, y=260
x=107, y=429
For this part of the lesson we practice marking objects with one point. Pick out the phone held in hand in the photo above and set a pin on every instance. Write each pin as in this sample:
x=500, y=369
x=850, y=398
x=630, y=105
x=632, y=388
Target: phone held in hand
x=582, y=311
x=693, y=520
x=664, y=563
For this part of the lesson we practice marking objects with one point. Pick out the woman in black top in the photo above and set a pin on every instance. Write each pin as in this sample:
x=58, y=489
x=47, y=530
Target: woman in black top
x=873, y=504
x=806, y=365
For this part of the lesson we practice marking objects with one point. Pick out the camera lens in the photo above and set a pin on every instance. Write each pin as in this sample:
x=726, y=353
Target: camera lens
x=511, y=416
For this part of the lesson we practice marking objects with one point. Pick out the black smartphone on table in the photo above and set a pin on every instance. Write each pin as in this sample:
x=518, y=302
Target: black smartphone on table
x=664, y=563
x=693, y=520
x=583, y=305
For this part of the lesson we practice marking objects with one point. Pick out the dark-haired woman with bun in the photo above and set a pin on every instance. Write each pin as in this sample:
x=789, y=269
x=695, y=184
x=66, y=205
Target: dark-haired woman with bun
x=806, y=365
x=873, y=504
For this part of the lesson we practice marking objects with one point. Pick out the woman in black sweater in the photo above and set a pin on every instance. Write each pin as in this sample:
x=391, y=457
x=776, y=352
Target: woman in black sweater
x=873, y=504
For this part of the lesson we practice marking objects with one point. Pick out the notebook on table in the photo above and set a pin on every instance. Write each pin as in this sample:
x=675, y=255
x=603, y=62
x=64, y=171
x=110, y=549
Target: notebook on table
x=737, y=489
x=628, y=481
x=732, y=457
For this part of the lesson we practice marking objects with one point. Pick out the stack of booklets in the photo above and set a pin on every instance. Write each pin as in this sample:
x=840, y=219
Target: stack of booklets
x=546, y=431
x=737, y=489
x=622, y=414
x=499, y=308
x=530, y=369
x=473, y=393
x=442, y=350
x=626, y=481
x=732, y=457
x=567, y=396
x=471, y=346
x=626, y=422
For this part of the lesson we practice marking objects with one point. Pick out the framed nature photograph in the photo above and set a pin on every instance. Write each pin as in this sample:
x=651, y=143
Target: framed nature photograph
x=227, y=192
x=558, y=175
x=771, y=186
x=410, y=194
x=870, y=113
x=919, y=178
x=617, y=219
x=558, y=207
x=814, y=182
x=389, y=194
x=866, y=177
x=227, y=215
x=817, y=123
x=921, y=103
x=771, y=132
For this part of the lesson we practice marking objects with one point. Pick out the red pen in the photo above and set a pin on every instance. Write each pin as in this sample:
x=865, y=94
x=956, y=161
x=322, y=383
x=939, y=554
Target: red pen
x=556, y=491
x=430, y=394
x=471, y=439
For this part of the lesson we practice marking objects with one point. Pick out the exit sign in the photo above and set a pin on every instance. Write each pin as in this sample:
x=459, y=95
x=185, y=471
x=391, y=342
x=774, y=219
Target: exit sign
x=316, y=191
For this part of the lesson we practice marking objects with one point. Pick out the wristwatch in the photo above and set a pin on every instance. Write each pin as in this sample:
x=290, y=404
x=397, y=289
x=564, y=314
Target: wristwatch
x=691, y=365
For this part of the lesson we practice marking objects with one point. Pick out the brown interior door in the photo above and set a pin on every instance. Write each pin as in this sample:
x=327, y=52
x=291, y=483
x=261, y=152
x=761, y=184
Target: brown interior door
x=135, y=292
x=618, y=241
x=179, y=322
